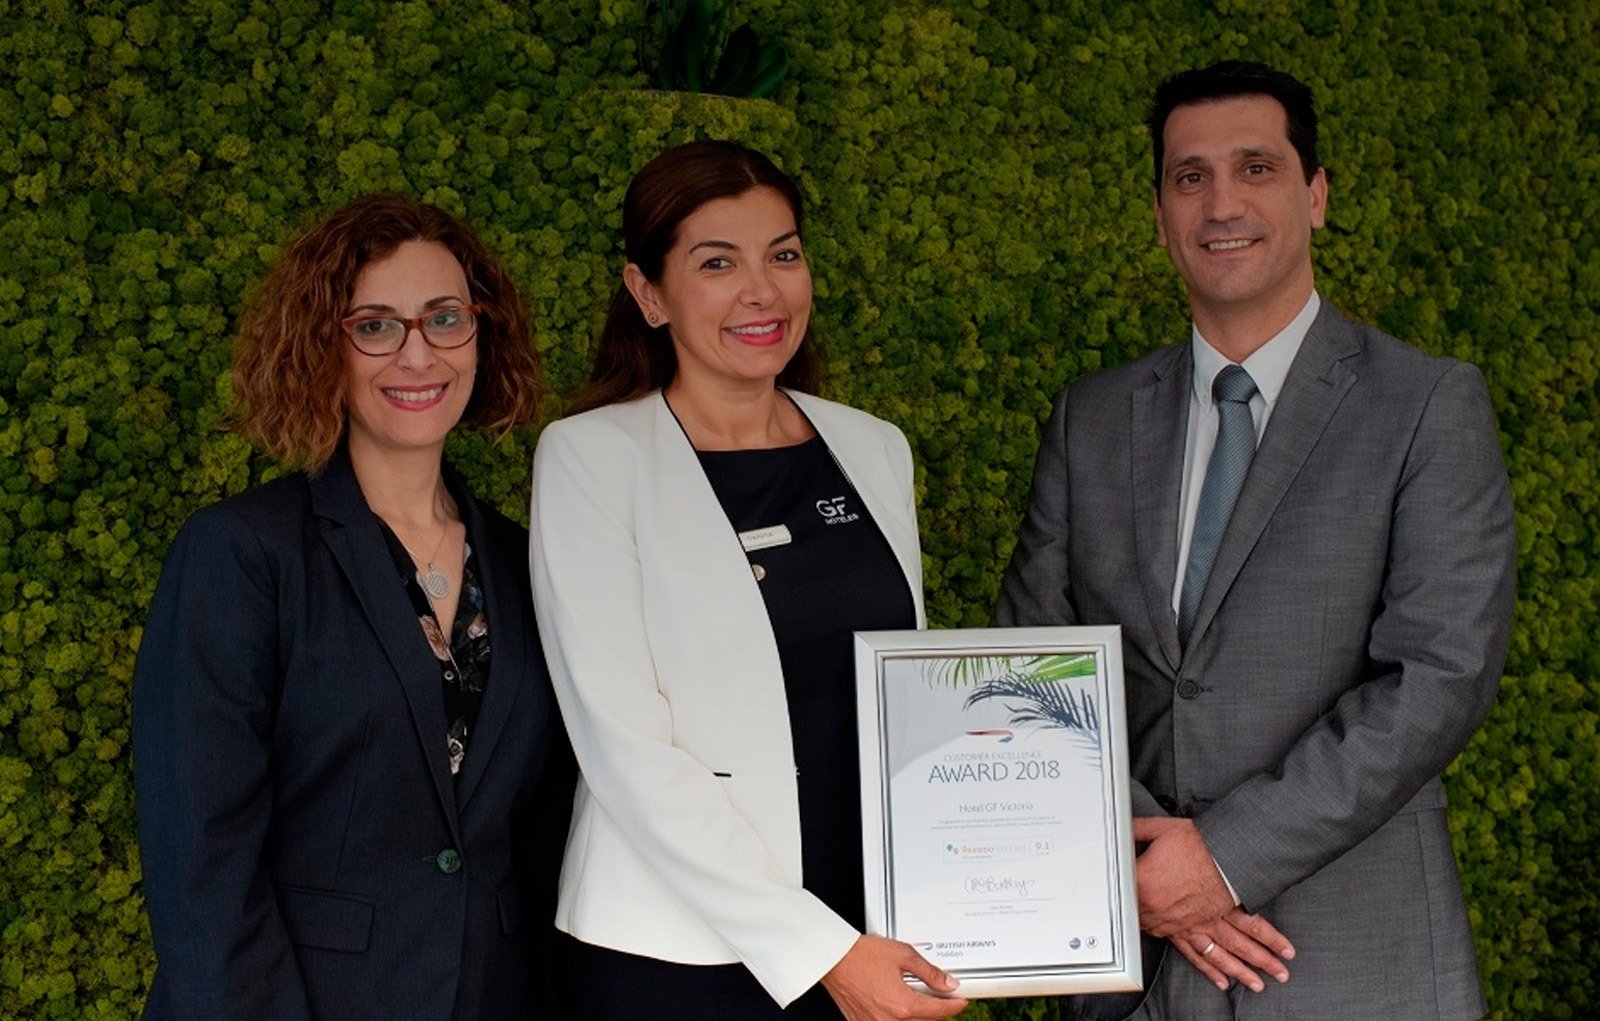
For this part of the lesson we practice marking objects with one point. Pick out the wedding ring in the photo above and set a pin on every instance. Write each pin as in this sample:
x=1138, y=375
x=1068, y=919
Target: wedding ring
x=1209, y=947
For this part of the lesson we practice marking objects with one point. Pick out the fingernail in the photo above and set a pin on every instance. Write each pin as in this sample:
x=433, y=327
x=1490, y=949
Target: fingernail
x=1281, y=976
x=1288, y=953
x=1222, y=985
x=1257, y=986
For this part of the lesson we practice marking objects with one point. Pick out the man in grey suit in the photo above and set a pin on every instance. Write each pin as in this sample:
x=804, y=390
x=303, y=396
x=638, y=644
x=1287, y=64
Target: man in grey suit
x=1304, y=528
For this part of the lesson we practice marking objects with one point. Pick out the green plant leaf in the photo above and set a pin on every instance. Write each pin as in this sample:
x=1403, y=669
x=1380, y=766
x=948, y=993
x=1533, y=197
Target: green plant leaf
x=696, y=29
x=738, y=60
x=771, y=66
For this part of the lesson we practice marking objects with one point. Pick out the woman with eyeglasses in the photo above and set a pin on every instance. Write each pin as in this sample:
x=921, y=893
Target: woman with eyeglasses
x=352, y=780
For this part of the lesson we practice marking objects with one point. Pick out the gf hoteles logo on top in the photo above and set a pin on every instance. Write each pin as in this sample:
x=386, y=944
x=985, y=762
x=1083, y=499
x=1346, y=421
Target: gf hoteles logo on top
x=834, y=512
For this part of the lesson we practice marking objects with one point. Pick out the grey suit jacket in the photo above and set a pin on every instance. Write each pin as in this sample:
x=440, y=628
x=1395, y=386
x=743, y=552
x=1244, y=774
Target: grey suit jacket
x=1348, y=643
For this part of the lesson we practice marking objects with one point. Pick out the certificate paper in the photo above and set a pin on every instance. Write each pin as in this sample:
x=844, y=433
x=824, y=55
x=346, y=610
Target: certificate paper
x=996, y=827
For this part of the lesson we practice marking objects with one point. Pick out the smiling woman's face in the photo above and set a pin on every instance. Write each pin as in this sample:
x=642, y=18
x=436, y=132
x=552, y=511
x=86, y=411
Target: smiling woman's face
x=412, y=397
x=735, y=291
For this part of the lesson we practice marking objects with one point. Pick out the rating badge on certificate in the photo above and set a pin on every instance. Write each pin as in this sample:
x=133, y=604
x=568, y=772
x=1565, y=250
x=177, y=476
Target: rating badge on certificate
x=997, y=836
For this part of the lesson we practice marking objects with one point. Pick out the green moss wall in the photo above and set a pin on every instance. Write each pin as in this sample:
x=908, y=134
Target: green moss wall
x=981, y=233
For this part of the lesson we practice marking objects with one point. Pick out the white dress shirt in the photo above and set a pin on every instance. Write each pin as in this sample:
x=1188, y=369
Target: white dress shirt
x=1268, y=367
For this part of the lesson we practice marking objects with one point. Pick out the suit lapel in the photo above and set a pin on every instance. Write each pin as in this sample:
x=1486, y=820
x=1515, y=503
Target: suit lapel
x=1317, y=383
x=511, y=659
x=350, y=530
x=1160, y=425
x=714, y=631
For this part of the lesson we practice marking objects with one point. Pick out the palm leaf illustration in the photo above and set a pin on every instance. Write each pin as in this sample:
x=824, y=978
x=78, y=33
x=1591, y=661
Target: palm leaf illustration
x=1035, y=693
x=960, y=671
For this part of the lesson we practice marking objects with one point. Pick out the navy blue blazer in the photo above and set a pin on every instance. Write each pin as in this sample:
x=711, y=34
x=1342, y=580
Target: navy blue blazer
x=306, y=852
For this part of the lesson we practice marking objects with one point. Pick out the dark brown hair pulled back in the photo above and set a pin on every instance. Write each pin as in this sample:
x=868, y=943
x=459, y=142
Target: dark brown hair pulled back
x=633, y=357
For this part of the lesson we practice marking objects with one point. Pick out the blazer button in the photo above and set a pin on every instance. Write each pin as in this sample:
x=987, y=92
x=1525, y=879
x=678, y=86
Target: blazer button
x=1187, y=688
x=1168, y=803
x=449, y=861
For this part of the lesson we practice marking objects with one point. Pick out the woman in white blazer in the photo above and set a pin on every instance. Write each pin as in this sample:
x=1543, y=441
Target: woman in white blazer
x=706, y=537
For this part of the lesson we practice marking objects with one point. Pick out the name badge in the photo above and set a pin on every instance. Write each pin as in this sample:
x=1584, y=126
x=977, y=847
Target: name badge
x=765, y=538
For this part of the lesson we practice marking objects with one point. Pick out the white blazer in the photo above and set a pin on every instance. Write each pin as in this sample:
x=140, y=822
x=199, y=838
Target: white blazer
x=685, y=840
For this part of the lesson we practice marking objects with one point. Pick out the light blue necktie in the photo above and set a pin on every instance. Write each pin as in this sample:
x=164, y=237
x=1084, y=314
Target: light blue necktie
x=1230, y=461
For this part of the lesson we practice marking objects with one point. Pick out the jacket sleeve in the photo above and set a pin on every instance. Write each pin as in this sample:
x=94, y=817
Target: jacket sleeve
x=204, y=698
x=588, y=587
x=1036, y=589
x=1436, y=647
x=903, y=471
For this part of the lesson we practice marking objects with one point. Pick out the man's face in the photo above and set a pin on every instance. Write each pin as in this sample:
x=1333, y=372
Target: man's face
x=1235, y=212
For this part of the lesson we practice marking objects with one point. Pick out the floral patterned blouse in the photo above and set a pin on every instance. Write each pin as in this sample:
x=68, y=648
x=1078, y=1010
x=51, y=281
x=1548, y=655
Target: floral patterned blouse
x=464, y=659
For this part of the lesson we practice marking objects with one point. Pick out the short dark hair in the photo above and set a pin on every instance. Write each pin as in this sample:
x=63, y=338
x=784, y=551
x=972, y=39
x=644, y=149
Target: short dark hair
x=634, y=357
x=289, y=360
x=1229, y=79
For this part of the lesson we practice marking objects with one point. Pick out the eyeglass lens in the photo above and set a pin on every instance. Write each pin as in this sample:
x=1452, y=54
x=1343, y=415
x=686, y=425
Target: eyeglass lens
x=444, y=327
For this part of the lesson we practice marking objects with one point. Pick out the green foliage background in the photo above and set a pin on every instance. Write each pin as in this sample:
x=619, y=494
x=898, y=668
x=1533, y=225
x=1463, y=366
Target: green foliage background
x=978, y=183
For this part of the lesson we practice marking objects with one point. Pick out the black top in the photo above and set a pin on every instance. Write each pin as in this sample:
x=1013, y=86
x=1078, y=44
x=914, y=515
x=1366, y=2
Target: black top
x=836, y=575
x=464, y=657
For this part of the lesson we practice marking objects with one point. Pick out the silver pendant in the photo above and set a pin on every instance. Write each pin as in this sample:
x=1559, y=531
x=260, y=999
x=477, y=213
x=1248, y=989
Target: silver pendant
x=434, y=582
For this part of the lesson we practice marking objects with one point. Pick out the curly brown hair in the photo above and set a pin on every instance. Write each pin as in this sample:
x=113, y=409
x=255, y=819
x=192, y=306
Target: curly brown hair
x=289, y=361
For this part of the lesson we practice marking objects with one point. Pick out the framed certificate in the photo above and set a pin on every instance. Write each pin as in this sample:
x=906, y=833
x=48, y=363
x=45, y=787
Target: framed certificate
x=997, y=834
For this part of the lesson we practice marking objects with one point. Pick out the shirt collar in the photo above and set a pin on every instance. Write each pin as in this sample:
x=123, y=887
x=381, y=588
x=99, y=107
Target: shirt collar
x=1268, y=366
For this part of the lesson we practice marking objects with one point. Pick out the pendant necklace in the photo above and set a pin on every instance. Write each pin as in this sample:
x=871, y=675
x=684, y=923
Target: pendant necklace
x=433, y=581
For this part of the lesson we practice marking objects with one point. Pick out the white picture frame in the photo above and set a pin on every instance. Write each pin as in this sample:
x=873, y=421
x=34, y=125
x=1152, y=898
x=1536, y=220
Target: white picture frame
x=996, y=815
